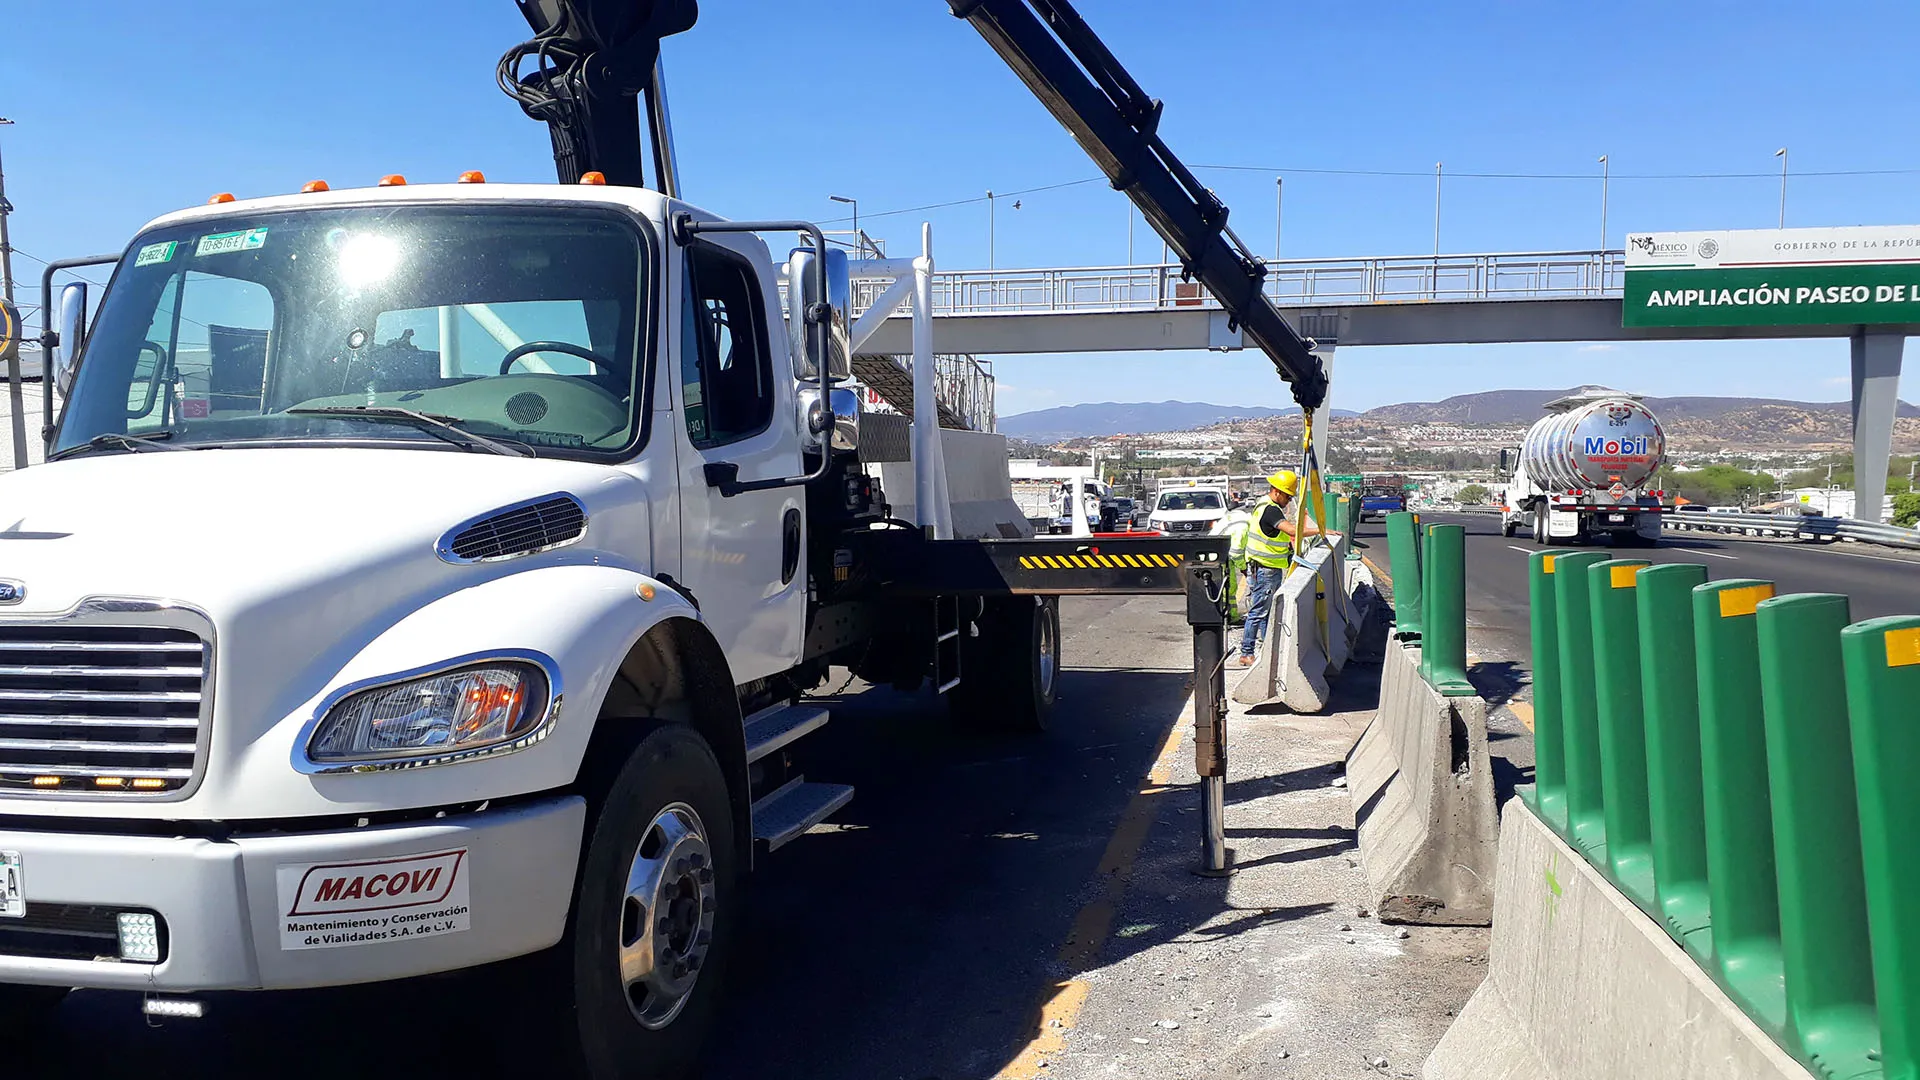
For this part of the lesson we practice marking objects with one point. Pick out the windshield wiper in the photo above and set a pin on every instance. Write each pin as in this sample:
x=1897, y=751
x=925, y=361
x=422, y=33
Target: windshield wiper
x=443, y=427
x=113, y=440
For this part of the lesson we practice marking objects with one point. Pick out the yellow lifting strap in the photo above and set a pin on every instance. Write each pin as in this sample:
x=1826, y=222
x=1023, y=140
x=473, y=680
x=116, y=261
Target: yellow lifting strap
x=1316, y=504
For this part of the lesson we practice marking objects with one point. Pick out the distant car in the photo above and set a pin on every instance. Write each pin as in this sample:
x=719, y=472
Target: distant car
x=1377, y=503
x=1184, y=510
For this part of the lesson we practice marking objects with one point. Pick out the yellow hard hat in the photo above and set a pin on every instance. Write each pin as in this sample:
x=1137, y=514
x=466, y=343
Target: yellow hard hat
x=1285, y=480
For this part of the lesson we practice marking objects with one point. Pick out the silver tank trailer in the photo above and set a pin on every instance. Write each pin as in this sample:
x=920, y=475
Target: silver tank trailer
x=1595, y=445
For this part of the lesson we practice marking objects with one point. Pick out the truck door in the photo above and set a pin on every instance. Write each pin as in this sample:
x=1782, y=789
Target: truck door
x=739, y=555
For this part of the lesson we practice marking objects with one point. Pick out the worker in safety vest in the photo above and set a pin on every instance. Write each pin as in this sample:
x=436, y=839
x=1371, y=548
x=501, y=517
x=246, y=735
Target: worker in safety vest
x=1270, y=540
x=1235, y=526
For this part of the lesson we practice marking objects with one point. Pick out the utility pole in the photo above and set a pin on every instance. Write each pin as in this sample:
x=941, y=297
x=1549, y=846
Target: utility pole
x=14, y=398
x=1437, y=166
x=1782, y=155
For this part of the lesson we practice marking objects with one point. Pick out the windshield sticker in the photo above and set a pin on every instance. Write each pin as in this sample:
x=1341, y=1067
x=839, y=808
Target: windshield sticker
x=228, y=243
x=155, y=253
x=196, y=408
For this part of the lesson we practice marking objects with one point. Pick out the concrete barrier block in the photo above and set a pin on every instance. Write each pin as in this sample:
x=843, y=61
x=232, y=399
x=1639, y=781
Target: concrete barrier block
x=1421, y=780
x=1290, y=666
x=1582, y=986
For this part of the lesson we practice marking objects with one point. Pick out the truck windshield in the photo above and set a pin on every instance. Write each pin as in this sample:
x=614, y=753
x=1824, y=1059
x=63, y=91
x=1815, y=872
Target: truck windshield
x=514, y=323
x=1190, y=500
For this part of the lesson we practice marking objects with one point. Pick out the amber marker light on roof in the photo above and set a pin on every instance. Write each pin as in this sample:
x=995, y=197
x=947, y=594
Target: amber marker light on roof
x=312, y=186
x=223, y=197
x=595, y=178
x=472, y=176
x=393, y=180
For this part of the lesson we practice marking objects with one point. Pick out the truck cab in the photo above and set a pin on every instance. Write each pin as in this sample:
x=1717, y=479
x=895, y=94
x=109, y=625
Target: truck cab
x=423, y=576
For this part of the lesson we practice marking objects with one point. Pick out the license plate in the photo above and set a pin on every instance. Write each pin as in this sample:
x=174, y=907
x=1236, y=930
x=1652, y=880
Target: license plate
x=1617, y=517
x=13, y=897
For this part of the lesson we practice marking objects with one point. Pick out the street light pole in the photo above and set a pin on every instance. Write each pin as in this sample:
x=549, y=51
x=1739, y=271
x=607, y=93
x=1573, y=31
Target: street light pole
x=1606, y=175
x=989, y=228
x=1782, y=155
x=855, y=203
x=1279, y=189
x=15, y=399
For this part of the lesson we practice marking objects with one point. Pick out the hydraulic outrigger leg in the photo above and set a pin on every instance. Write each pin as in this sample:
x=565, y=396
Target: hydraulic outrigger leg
x=1209, y=624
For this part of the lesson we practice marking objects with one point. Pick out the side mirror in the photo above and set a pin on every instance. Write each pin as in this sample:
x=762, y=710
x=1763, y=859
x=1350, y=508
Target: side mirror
x=841, y=416
x=801, y=294
x=73, y=335
x=1506, y=461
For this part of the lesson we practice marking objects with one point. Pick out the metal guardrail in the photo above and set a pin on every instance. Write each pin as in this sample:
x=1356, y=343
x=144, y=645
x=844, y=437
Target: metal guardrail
x=1798, y=526
x=1401, y=279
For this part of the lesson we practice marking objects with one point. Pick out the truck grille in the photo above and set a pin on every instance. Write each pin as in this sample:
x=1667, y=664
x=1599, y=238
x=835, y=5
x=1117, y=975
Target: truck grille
x=105, y=710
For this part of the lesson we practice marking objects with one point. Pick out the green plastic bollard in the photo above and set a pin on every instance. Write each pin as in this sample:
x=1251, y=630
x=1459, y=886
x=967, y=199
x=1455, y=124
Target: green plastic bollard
x=1831, y=1021
x=1444, y=648
x=1670, y=695
x=1579, y=721
x=1548, y=792
x=1882, y=658
x=1623, y=728
x=1741, y=887
x=1403, y=549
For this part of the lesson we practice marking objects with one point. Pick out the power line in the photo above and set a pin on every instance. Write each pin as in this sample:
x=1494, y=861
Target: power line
x=1428, y=174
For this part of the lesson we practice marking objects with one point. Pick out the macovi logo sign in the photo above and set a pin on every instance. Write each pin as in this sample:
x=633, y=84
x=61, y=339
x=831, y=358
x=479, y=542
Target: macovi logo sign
x=1774, y=277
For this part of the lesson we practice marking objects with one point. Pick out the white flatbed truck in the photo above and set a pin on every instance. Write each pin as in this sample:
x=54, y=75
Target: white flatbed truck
x=422, y=576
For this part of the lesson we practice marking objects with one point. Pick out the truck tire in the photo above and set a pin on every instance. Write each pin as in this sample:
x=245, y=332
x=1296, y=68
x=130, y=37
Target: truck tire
x=652, y=919
x=1009, y=674
x=1508, y=527
x=24, y=1010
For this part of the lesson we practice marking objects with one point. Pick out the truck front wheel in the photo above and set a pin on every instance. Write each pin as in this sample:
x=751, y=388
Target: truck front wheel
x=652, y=918
x=1009, y=674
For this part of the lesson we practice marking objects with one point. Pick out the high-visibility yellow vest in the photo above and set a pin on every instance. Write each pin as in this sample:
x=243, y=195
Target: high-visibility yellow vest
x=1271, y=551
x=1235, y=527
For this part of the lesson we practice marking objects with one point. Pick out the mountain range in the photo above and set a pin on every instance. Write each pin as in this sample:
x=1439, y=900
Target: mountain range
x=1489, y=407
x=1132, y=418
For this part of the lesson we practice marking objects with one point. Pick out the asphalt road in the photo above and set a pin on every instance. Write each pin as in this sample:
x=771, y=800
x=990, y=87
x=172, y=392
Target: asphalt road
x=911, y=941
x=1877, y=581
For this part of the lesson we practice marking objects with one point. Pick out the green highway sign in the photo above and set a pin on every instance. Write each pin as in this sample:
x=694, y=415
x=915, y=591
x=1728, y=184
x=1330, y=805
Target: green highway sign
x=1774, y=277
x=1341, y=478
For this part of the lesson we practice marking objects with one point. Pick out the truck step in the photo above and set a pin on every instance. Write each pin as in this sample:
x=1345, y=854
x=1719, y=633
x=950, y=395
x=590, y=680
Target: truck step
x=796, y=806
x=780, y=725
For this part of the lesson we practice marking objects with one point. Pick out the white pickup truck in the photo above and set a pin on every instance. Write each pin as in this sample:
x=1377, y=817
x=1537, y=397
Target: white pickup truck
x=423, y=576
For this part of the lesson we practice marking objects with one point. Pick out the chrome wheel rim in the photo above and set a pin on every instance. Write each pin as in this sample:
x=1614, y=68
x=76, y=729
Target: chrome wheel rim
x=1047, y=653
x=666, y=916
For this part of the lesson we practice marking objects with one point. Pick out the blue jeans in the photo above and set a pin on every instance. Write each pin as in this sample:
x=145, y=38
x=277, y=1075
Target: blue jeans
x=1266, y=582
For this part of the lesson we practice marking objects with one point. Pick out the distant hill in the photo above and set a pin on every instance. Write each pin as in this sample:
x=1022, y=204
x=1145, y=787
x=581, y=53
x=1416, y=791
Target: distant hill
x=1525, y=406
x=1131, y=418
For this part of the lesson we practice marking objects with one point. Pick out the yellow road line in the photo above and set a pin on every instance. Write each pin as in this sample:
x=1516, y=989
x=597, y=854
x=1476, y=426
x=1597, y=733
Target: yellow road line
x=1523, y=710
x=1094, y=921
x=1377, y=572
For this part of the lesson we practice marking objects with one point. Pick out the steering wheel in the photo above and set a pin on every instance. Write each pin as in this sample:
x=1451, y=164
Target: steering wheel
x=591, y=357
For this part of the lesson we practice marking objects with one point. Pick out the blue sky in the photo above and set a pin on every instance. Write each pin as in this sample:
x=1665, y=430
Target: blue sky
x=140, y=108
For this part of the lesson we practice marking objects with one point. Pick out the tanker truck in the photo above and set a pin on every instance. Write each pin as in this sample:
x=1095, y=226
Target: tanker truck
x=1581, y=473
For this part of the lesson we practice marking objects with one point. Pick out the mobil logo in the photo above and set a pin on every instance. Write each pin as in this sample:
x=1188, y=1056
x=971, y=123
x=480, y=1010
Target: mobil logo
x=382, y=884
x=1602, y=446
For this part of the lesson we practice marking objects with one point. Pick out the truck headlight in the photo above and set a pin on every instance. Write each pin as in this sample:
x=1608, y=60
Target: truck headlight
x=455, y=713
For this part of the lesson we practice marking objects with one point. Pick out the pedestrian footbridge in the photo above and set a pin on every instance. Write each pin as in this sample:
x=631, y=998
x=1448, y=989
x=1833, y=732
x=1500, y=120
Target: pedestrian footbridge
x=1394, y=300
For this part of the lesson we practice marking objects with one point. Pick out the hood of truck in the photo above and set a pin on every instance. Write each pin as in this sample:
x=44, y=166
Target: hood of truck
x=225, y=530
x=299, y=558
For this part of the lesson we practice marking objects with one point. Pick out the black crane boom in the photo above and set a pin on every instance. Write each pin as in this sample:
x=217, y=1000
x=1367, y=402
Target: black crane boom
x=1077, y=78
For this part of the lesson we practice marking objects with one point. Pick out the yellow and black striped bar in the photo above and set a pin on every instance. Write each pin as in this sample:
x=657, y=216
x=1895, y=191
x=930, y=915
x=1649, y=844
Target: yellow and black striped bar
x=1052, y=565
